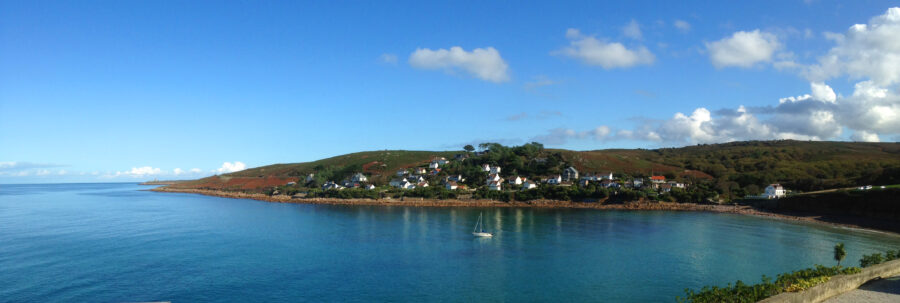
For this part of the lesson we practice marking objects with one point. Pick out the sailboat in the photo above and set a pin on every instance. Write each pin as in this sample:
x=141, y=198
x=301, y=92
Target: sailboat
x=481, y=232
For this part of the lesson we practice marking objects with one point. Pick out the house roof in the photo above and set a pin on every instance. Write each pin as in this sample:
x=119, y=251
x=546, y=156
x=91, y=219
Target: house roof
x=657, y=178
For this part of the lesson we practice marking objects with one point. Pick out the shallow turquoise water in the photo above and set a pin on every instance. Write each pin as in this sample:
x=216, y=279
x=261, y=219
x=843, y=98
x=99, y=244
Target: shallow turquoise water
x=112, y=242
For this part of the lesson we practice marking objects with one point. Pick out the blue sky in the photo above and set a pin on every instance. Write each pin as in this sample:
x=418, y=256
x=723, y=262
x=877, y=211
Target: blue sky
x=135, y=90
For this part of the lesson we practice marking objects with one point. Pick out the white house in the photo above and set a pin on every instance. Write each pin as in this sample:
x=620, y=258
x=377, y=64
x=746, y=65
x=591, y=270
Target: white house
x=774, y=191
x=398, y=182
x=494, y=178
x=495, y=185
x=359, y=177
x=495, y=169
x=517, y=180
x=609, y=177
x=440, y=161
x=421, y=170
x=451, y=185
x=402, y=172
x=422, y=184
x=370, y=187
x=331, y=185
x=528, y=185
x=456, y=178
x=434, y=165
x=416, y=179
x=570, y=174
x=486, y=167
x=310, y=178
x=555, y=180
x=638, y=183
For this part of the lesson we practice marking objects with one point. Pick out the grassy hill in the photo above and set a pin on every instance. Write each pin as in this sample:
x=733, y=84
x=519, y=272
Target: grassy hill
x=732, y=169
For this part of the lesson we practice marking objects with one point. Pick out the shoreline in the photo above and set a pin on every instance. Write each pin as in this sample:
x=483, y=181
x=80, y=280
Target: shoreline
x=631, y=206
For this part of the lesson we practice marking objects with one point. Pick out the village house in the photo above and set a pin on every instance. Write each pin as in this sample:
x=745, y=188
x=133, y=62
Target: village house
x=451, y=185
x=331, y=185
x=310, y=178
x=359, y=177
x=402, y=172
x=397, y=182
x=421, y=170
x=435, y=172
x=555, y=180
x=657, y=179
x=675, y=184
x=528, y=185
x=434, y=165
x=588, y=178
x=422, y=184
x=370, y=187
x=495, y=185
x=415, y=178
x=664, y=187
x=291, y=183
x=441, y=161
x=774, y=191
x=517, y=180
x=608, y=177
x=486, y=167
x=638, y=183
x=495, y=169
x=461, y=157
x=570, y=174
x=456, y=178
x=494, y=178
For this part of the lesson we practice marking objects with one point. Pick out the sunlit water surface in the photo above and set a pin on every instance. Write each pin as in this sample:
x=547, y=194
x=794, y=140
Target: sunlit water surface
x=114, y=242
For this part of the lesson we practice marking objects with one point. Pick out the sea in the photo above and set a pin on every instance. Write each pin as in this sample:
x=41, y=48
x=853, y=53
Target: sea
x=118, y=242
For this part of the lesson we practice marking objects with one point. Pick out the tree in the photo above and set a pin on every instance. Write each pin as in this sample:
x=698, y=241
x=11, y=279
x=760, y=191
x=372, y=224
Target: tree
x=469, y=148
x=839, y=253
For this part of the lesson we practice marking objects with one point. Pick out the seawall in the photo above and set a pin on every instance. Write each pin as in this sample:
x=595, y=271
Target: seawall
x=838, y=284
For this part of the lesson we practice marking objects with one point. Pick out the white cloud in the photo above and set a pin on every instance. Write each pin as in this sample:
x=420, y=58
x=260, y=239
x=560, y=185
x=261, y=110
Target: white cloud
x=632, y=30
x=864, y=136
x=743, y=49
x=139, y=172
x=388, y=58
x=823, y=92
x=682, y=26
x=608, y=55
x=229, y=167
x=196, y=170
x=866, y=51
x=177, y=171
x=482, y=63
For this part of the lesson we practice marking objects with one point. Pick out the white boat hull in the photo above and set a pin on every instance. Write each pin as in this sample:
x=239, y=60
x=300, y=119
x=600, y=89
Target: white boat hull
x=477, y=234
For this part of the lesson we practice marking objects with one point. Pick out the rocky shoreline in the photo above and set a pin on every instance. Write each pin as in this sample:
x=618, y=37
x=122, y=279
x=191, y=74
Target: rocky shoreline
x=635, y=206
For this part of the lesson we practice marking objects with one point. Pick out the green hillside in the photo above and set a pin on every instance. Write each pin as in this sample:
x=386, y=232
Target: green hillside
x=731, y=169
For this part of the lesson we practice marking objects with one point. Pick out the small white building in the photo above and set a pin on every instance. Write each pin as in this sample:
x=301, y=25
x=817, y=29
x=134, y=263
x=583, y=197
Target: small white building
x=434, y=165
x=486, y=167
x=370, y=187
x=422, y=184
x=331, y=185
x=774, y=191
x=310, y=178
x=451, y=185
x=608, y=177
x=517, y=180
x=402, y=172
x=495, y=169
x=421, y=170
x=528, y=185
x=638, y=183
x=398, y=182
x=495, y=185
x=494, y=178
x=359, y=177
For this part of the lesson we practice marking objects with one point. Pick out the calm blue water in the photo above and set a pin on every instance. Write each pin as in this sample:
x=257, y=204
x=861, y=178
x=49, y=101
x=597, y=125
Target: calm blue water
x=112, y=243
